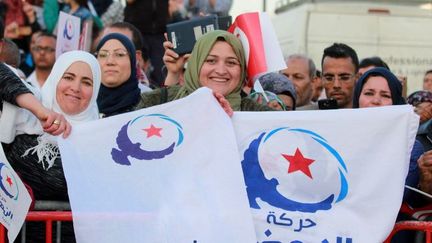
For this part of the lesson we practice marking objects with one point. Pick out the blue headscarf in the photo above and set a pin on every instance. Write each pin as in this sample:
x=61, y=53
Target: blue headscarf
x=393, y=83
x=121, y=99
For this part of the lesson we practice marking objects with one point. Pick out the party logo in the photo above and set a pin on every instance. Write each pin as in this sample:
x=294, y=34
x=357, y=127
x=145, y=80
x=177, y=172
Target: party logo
x=294, y=170
x=147, y=137
x=69, y=30
x=8, y=182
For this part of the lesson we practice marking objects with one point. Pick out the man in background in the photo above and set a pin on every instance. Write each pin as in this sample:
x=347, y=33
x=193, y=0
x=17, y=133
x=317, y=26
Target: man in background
x=427, y=81
x=44, y=58
x=301, y=71
x=10, y=53
x=339, y=73
x=317, y=87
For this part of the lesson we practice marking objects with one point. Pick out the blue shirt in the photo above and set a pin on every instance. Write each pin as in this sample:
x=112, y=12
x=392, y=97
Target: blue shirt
x=82, y=12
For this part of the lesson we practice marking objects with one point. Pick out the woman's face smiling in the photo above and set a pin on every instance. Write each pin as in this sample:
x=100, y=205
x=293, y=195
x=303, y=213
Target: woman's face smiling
x=115, y=63
x=221, y=70
x=75, y=88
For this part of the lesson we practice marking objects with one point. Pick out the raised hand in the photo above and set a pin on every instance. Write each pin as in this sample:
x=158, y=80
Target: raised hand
x=224, y=104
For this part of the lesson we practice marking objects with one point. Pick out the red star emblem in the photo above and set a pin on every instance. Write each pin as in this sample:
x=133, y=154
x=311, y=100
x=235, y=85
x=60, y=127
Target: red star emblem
x=153, y=131
x=9, y=180
x=298, y=162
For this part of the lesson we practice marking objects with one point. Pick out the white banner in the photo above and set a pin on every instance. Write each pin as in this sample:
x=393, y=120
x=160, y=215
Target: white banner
x=14, y=198
x=169, y=173
x=325, y=176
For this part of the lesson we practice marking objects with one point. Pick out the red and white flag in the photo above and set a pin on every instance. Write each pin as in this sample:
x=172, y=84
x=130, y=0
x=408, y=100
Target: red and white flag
x=262, y=49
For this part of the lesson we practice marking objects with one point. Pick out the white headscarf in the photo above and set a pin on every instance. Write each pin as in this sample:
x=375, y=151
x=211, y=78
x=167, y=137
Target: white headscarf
x=47, y=146
x=61, y=65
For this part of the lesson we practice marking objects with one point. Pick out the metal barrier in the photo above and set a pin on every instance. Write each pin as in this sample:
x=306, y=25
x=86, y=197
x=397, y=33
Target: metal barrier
x=48, y=216
x=424, y=226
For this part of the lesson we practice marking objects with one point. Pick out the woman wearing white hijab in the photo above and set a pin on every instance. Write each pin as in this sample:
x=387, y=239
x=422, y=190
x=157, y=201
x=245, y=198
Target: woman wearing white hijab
x=71, y=89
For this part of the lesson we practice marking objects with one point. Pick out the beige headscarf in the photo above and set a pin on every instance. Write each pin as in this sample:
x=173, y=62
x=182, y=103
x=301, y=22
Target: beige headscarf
x=199, y=54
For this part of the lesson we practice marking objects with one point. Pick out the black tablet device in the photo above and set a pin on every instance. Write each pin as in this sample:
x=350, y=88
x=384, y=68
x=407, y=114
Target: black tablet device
x=224, y=22
x=184, y=34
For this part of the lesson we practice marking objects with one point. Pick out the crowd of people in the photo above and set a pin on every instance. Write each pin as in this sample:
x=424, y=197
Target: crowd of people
x=135, y=67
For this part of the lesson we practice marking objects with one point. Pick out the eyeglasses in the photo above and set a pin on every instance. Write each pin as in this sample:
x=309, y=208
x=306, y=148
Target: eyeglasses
x=117, y=54
x=44, y=49
x=329, y=78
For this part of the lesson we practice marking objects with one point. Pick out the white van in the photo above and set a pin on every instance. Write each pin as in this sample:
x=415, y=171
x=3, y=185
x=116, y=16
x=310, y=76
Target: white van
x=398, y=31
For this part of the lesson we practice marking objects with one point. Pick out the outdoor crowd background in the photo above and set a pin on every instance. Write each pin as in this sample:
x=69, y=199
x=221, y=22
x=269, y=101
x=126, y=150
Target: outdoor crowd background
x=29, y=46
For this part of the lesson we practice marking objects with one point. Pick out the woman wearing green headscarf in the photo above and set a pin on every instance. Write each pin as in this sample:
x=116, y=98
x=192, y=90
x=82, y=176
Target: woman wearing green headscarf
x=217, y=62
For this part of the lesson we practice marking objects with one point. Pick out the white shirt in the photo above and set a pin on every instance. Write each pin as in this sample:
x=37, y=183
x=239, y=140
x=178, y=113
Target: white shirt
x=32, y=79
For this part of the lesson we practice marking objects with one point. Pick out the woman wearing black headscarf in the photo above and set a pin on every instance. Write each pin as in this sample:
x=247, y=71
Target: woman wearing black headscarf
x=119, y=92
x=392, y=94
x=380, y=87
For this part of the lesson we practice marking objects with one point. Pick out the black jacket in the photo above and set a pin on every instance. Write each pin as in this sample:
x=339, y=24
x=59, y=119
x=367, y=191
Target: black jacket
x=149, y=16
x=10, y=85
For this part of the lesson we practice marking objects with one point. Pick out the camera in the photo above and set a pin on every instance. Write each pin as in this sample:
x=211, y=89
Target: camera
x=327, y=104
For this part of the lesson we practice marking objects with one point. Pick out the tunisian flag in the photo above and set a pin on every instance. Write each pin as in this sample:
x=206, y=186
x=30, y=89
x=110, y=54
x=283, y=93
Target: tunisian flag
x=263, y=53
